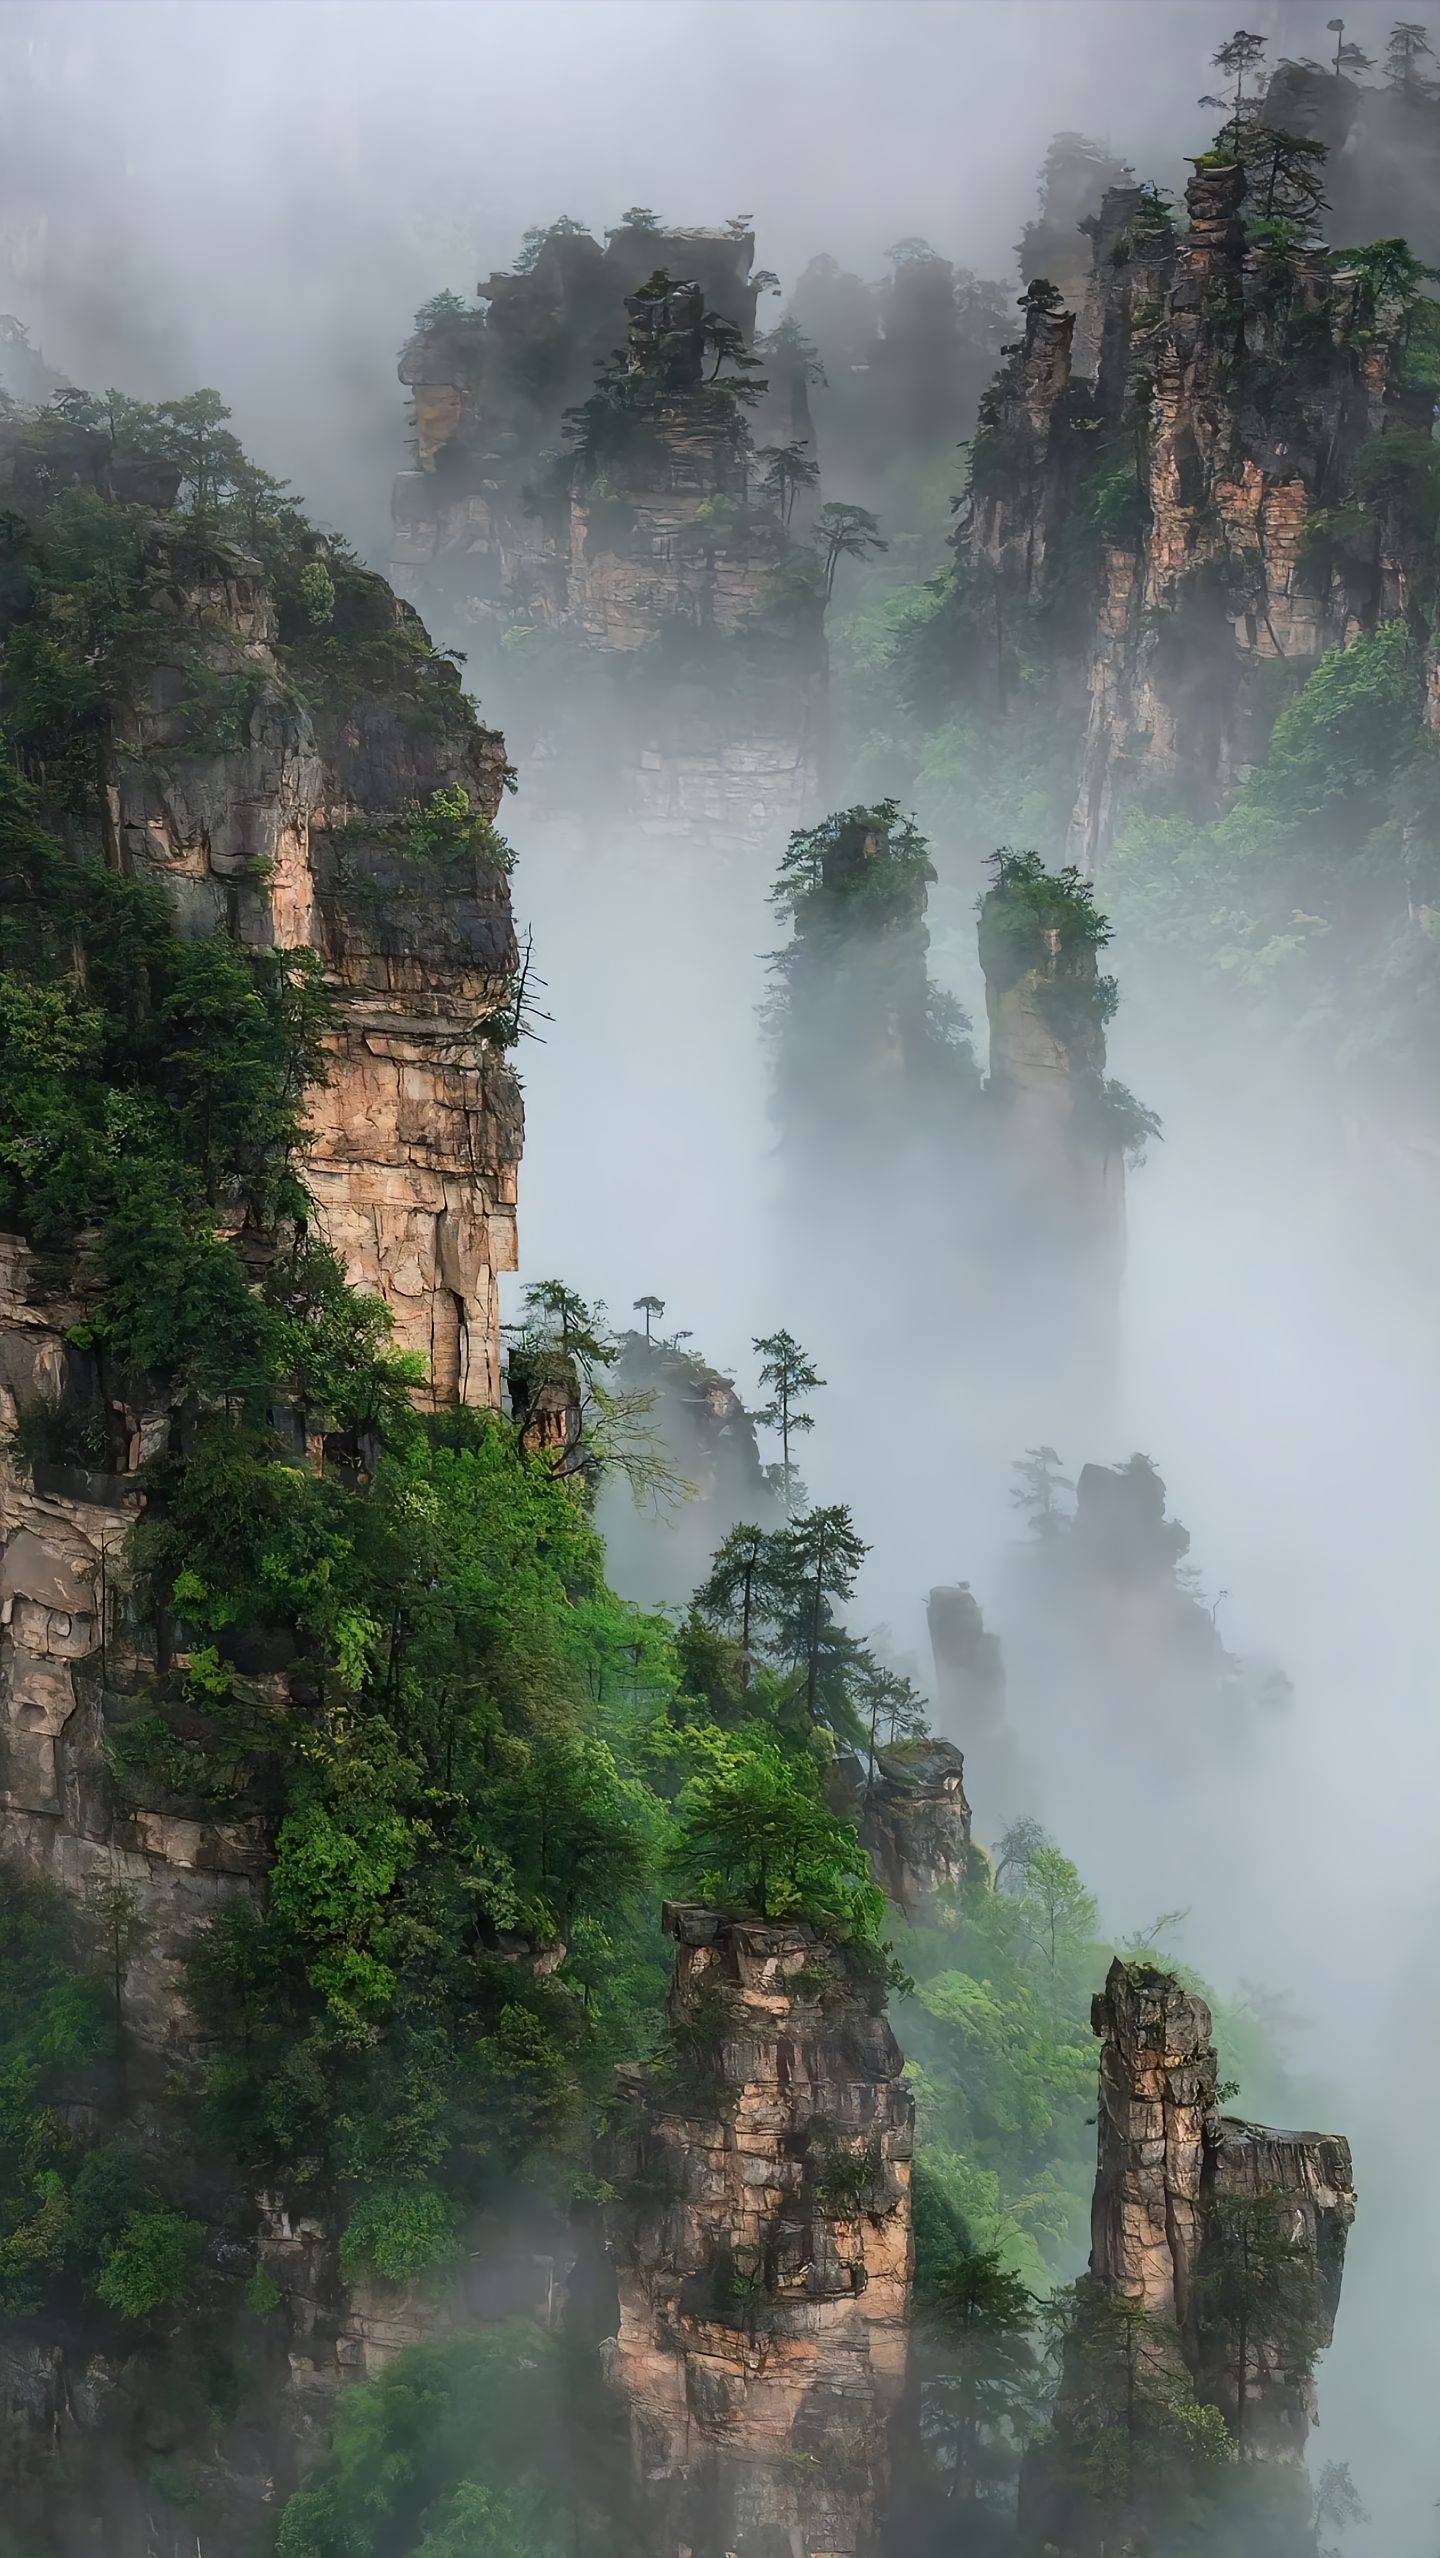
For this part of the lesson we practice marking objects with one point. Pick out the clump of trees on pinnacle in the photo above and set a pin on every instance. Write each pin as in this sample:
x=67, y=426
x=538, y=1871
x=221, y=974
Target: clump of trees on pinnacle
x=863, y=1037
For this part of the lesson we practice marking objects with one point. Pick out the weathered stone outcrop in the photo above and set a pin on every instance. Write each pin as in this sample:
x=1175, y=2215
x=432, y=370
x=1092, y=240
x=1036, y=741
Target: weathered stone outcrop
x=914, y=1824
x=288, y=827
x=292, y=838
x=659, y=533
x=1062, y=1146
x=1225, y=2239
x=1075, y=176
x=1256, y=383
x=1157, y=2094
x=762, y=2248
x=1024, y=472
x=969, y=1670
x=295, y=837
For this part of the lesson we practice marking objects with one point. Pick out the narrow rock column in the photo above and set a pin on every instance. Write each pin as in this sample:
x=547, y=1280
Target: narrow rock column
x=1157, y=2087
x=763, y=2249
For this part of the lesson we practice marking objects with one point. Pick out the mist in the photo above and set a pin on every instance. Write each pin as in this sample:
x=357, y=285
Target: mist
x=258, y=197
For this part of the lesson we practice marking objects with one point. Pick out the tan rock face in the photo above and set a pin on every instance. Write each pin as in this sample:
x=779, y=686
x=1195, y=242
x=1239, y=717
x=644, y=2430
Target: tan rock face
x=292, y=833
x=292, y=837
x=661, y=540
x=1172, y=2180
x=914, y=1823
x=763, y=2250
x=1157, y=2088
x=1187, y=2205
x=1217, y=580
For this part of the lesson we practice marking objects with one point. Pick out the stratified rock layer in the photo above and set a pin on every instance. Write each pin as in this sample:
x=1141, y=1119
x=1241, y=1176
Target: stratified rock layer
x=296, y=832
x=1188, y=2206
x=914, y=1824
x=763, y=2249
x=294, y=838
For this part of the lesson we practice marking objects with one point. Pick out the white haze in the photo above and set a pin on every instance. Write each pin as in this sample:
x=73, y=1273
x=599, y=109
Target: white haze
x=259, y=197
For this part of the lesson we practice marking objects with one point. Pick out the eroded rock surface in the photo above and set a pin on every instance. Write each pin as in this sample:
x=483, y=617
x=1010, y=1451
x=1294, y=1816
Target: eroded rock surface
x=763, y=2250
x=1226, y=2239
x=914, y=1822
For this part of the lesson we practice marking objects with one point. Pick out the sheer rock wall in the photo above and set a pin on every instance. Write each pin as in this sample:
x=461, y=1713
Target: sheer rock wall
x=763, y=2250
x=1246, y=441
x=284, y=839
x=661, y=540
x=914, y=1824
x=1169, y=2170
x=292, y=836
x=1171, y=2241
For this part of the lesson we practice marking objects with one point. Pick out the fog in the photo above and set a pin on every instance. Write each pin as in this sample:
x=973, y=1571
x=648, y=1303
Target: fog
x=258, y=197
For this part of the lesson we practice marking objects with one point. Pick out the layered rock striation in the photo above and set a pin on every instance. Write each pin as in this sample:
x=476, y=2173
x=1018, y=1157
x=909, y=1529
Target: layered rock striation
x=1166, y=476
x=271, y=778
x=762, y=2249
x=1217, y=2250
x=289, y=834
x=650, y=539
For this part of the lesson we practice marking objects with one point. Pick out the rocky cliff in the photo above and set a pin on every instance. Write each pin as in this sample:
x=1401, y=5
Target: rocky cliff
x=653, y=533
x=914, y=1822
x=1259, y=379
x=762, y=2248
x=1161, y=480
x=293, y=836
x=307, y=782
x=1063, y=1127
x=1217, y=2249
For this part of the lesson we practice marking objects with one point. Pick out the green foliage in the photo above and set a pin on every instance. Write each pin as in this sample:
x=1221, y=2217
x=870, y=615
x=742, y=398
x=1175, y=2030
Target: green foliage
x=1046, y=926
x=474, y=2448
x=981, y=2390
x=448, y=835
x=1136, y=2433
x=442, y=311
x=1258, y=2279
x=754, y=1834
x=1001, y=2048
x=399, y=2232
x=1028, y=903
x=152, y=2264
x=792, y=1378
x=317, y=591
x=540, y=236
x=1306, y=903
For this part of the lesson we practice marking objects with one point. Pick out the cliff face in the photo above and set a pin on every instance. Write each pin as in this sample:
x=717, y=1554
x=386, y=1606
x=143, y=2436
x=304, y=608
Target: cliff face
x=1257, y=384
x=277, y=816
x=763, y=2252
x=1063, y=1128
x=286, y=838
x=1181, y=2193
x=295, y=838
x=1217, y=2249
x=1157, y=478
x=651, y=537
x=914, y=1822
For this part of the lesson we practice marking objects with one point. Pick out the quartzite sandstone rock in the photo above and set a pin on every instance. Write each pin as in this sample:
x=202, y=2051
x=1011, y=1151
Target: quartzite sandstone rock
x=763, y=2250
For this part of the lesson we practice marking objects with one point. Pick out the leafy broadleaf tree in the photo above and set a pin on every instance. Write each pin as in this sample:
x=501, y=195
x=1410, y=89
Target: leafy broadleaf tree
x=755, y=1833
